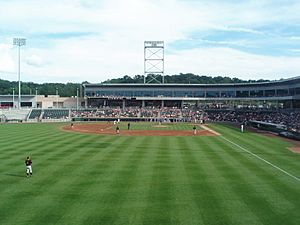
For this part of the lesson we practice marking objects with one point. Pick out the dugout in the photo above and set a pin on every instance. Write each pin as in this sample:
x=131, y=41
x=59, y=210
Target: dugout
x=273, y=127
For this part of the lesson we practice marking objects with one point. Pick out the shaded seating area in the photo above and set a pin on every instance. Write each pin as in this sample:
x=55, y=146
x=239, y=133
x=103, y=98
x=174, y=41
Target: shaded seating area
x=56, y=114
x=35, y=114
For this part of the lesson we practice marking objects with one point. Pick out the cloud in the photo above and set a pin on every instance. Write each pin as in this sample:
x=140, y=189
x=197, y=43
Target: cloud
x=7, y=64
x=95, y=40
x=240, y=29
x=295, y=50
x=296, y=38
x=233, y=63
x=34, y=60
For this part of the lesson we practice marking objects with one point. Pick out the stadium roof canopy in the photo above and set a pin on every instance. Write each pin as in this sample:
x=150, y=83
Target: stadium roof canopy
x=266, y=83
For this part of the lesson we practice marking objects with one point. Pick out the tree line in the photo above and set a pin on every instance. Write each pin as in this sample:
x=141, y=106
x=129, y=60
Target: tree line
x=70, y=89
x=30, y=88
x=183, y=78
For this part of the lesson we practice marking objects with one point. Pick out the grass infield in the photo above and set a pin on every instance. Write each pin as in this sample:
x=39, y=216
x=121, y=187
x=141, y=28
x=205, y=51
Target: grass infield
x=96, y=179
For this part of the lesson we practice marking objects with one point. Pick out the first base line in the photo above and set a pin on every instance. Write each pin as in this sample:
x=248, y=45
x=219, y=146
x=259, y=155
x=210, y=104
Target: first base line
x=262, y=159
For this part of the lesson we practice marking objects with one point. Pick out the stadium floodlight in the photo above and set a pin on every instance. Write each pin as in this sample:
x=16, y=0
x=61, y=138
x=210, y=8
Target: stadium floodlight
x=19, y=42
x=36, y=92
x=13, y=98
x=56, y=97
x=154, y=61
x=77, y=99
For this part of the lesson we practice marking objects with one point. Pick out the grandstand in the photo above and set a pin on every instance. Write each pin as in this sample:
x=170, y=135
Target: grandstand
x=56, y=114
x=282, y=94
x=275, y=102
x=35, y=114
x=14, y=114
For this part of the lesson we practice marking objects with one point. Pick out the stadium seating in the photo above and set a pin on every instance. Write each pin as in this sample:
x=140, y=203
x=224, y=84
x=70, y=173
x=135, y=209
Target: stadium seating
x=290, y=119
x=56, y=114
x=35, y=114
x=15, y=114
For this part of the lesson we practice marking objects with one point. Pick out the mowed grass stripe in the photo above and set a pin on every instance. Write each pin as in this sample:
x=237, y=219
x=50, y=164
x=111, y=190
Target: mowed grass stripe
x=282, y=177
x=42, y=181
x=51, y=182
x=250, y=188
x=14, y=133
x=134, y=205
x=23, y=141
x=16, y=169
x=13, y=169
x=158, y=200
x=39, y=147
x=270, y=149
x=94, y=179
x=230, y=200
x=109, y=168
x=82, y=181
x=202, y=187
x=185, y=210
x=267, y=147
x=280, y=189
x=112, y=198
x=264, y=160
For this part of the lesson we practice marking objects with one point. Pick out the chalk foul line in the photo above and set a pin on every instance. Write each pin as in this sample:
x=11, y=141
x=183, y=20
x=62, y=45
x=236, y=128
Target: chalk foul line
x=262, y=159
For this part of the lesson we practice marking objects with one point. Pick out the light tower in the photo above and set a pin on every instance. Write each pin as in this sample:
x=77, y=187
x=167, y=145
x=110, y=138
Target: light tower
x=154, y=61
x=19, y=42
x=77, y=100
x=13, y=100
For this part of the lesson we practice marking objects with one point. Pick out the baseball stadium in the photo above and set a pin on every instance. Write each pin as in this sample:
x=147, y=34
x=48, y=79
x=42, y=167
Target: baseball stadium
x=209, y=135
x=154, y=154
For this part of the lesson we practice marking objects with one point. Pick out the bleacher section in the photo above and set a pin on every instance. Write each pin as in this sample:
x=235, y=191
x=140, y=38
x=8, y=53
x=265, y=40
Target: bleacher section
x=35, y=114
x=288, y=118
x=56, y=114
x=15, y=115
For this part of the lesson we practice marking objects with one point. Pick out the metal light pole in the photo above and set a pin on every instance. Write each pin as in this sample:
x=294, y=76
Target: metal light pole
x=36, y=97
x=13, y=98
x=77, y=99
x=56, y=97
x=19, y=42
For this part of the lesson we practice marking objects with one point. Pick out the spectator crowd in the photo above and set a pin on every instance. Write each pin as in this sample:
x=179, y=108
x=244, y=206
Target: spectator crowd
x=290, y=119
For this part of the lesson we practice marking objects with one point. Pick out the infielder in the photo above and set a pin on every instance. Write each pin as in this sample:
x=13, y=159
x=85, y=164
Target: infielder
x=195, y=129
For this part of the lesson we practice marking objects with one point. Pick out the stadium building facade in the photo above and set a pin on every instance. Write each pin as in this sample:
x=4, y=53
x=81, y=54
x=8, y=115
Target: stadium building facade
x=281, y=94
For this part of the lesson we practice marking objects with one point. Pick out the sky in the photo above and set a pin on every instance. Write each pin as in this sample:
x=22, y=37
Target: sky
x=96, y=40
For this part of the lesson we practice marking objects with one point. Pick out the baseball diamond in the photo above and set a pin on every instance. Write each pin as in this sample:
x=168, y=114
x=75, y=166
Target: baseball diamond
x=94, y=178
x=149, y=112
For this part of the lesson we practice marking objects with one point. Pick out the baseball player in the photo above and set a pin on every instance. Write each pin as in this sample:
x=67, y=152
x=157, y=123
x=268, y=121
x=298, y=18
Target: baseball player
x=28, y=163
x=117, y=130
x=195, y=129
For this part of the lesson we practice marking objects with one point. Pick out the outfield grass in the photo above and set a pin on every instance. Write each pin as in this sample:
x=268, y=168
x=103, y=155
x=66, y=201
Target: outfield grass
x=94, y=179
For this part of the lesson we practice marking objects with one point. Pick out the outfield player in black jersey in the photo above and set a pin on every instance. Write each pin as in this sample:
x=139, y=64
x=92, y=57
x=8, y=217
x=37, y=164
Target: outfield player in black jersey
x=28, y=163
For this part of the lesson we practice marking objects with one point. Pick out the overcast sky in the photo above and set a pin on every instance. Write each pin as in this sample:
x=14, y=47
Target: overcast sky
x=75, y=41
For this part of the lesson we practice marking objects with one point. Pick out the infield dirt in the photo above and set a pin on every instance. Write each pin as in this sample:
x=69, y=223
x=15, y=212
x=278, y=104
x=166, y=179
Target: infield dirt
x=108, y=129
